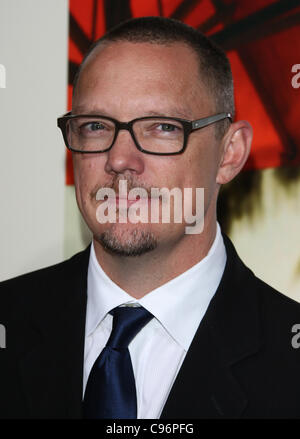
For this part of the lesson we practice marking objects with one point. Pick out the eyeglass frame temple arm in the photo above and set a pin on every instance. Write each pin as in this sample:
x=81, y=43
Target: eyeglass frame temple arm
x=197, y=124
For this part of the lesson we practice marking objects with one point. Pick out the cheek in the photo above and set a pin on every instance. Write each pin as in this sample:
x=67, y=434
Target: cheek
x=194, y=172
x=202, y=163
x=87, y=171
x=85, y=179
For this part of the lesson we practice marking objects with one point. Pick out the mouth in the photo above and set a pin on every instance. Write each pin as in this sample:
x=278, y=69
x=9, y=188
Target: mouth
x=126, y=202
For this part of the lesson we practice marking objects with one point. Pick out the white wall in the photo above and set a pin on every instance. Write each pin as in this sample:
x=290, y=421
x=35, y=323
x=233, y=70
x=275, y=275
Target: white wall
x=33, y=50
x=269, y=241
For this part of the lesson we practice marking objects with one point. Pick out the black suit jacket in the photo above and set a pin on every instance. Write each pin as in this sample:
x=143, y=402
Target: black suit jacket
x=241, y=362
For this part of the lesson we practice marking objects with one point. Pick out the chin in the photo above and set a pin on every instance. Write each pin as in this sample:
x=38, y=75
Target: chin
x=125, y=240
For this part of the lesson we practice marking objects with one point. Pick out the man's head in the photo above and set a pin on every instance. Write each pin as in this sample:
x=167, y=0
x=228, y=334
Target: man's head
x=156, y=67
x=214, y=67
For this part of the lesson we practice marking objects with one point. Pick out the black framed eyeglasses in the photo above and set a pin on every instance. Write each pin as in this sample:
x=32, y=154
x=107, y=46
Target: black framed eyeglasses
x=159, y=135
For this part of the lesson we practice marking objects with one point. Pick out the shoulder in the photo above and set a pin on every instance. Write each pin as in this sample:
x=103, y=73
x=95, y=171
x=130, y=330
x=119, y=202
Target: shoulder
x=34, y=287
x=47, y=273
x=250, y=287
x=250, y=316
x=274, y=298
x=280, y=319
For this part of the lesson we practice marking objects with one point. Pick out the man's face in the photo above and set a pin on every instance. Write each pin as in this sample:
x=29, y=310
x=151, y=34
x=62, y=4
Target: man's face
x=130, y=80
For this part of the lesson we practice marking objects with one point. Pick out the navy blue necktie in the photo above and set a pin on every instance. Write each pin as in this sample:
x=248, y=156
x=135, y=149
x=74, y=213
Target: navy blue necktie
x=110, y=391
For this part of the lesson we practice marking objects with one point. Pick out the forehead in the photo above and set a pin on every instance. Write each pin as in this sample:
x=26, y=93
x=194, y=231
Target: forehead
x=142, y=74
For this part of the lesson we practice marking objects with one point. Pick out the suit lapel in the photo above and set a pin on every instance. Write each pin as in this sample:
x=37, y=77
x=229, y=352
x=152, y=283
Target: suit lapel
x=206, y=386
x=52, y=368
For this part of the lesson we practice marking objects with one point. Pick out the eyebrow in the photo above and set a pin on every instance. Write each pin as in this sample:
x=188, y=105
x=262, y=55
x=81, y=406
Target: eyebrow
x=174, y=112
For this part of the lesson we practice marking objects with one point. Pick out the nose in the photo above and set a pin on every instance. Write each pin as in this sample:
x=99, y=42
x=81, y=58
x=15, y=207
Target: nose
x=124, y=156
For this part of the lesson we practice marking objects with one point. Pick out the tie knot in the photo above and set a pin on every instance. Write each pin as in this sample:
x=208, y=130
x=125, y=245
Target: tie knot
x=127, y=322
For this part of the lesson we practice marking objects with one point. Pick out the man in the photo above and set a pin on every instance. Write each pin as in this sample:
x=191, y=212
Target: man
x=210, y=340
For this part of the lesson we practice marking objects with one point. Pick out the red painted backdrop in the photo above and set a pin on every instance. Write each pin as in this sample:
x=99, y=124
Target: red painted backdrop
x=261, y=39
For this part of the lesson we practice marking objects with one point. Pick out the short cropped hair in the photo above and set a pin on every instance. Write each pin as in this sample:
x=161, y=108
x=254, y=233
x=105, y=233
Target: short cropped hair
x=215, y=71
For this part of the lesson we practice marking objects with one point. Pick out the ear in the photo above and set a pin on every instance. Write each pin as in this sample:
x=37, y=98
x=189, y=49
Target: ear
x=236, y=146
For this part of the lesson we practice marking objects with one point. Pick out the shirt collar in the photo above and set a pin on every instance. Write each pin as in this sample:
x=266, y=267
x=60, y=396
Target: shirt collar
x=178, y=305
x=102, y=294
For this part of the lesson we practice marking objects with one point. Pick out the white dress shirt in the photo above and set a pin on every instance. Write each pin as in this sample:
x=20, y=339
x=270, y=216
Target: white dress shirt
x=158, y=350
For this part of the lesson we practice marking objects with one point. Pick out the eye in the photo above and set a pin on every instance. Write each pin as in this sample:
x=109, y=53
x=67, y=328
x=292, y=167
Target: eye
x=167, y=127
x=93, y=126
